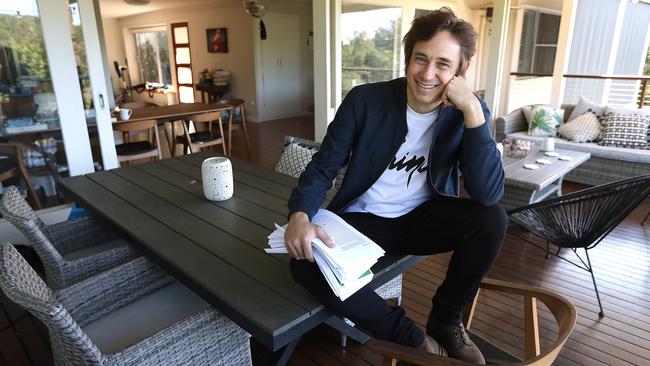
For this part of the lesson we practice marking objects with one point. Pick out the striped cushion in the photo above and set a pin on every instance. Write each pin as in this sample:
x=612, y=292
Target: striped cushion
x=625, y=130
x=583, y=128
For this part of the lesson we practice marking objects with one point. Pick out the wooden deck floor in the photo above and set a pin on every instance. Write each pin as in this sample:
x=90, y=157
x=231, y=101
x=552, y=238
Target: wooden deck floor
x=621, y=262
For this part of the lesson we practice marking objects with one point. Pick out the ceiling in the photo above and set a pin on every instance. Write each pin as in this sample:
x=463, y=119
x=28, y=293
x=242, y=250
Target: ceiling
x=119, y=9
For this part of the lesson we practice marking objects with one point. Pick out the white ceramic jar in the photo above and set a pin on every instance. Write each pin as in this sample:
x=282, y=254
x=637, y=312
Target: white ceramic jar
x=217, y=178
x=548, y=144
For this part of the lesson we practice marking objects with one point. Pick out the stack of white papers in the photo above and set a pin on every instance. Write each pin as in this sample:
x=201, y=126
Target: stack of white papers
x=346, y=267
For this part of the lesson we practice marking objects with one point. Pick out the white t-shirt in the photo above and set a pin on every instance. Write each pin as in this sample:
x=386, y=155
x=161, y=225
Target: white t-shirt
x=403, y=185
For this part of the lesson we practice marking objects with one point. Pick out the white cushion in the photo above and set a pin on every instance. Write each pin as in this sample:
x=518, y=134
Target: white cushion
x=583, y=128
x=294, y=160
x=143, y=318
x=627, y=110
x=586, y=105
x=543, y=120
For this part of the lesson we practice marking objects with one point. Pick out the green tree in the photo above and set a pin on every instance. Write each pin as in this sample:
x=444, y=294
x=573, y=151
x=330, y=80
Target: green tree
x=23, y=38
x=366, y=59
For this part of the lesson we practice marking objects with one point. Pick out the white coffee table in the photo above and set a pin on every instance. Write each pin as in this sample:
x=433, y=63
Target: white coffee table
x=525, y=186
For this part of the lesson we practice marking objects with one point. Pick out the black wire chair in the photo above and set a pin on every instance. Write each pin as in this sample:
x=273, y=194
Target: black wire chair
x=584, y=218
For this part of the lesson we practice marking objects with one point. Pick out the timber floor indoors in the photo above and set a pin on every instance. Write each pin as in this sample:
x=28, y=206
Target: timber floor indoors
x=621, y=262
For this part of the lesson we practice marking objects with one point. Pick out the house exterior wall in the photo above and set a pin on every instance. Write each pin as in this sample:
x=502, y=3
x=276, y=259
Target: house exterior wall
x=593, y=37
x=632, y=48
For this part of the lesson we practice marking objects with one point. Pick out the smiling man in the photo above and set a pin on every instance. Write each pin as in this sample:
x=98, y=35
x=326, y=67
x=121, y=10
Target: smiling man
x=405, y=143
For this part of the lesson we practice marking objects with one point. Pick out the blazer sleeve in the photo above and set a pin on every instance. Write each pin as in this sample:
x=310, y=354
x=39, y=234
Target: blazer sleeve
x=333, y=154
x=480, y=163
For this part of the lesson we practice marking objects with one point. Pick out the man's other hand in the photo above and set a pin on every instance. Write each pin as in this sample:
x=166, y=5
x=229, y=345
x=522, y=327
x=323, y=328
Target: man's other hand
x=299, y=234
x=458, y=93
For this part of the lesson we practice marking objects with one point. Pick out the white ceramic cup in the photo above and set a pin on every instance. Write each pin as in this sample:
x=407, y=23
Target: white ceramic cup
x=548, y=144
x=217, y=178
x=125, y=114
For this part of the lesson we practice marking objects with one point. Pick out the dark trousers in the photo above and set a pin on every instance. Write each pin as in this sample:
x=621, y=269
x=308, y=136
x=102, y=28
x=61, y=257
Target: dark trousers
x=473, y=232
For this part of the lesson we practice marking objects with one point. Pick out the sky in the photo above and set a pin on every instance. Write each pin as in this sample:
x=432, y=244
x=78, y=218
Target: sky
x=365, y=21
x=25, y=7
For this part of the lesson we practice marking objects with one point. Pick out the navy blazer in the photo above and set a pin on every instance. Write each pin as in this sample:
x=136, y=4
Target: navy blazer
x=367, y=131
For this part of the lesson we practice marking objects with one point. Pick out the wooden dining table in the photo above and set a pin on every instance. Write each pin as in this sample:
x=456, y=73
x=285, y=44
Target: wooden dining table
x=175, y=112
x=217, y=248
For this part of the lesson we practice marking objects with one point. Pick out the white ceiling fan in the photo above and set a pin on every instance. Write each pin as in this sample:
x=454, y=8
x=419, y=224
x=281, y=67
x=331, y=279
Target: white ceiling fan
x=137, y=2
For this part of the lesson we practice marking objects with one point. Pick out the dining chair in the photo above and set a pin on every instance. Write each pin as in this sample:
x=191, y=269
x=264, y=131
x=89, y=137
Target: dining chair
x=137, y=105
x=204, y=137
x=234, y=125
x=297, y=154
x=134, y=314
x=13, y=167
x=583, y=219
x=70, y=251
x=133, y=150
x=563, y=311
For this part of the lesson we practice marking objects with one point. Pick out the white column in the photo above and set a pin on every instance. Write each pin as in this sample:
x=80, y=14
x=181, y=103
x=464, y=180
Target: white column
x=97, y=73
x=65, y=80
x=323, y=111
x=337, y=58
x=563, y=50
x=493, y=82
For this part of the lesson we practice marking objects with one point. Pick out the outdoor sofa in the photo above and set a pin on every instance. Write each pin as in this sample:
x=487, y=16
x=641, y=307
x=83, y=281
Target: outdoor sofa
x=607, y=164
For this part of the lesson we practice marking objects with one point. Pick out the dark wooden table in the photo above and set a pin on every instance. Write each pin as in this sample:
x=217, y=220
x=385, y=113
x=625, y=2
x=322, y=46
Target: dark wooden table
x=216, y=248
x=214, y=92
x=172, y=113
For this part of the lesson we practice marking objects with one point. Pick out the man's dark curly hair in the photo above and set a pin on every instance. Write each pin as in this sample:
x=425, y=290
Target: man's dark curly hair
x=443, y=19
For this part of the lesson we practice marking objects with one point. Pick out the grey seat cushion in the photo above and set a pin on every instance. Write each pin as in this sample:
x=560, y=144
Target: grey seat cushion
x=143, y=318
x=606, y=152
x=134, y=148
x=95, y=249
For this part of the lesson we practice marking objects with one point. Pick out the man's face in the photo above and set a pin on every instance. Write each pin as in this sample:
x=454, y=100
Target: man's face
x=433, y=63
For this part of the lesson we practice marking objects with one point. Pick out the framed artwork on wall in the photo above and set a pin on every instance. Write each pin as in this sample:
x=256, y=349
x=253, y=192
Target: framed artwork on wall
x=217, y=39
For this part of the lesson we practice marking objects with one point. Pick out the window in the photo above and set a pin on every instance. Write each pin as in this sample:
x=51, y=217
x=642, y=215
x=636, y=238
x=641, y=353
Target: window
x=538, y=42
x=152, y=55
x=371, y=45
x=181, y=44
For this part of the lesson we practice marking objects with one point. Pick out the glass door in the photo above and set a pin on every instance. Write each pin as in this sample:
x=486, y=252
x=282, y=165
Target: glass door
x=370, y=49
x=41, y=110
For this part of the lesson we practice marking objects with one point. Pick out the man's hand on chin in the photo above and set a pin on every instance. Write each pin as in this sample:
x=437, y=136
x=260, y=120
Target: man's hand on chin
x=458, y=93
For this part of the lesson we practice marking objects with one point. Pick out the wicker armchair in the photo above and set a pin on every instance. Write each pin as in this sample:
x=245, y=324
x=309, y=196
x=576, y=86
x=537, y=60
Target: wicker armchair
x=562, y=309
x=292, y=163
x=71, y=251
x=134, y=314
x=582, y=219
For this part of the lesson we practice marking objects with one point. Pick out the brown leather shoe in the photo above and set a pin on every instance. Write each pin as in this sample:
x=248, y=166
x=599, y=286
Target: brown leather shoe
x=430, y=345
x=455, y=340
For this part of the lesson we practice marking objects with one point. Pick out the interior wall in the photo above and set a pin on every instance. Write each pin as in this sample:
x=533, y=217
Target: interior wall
x=239, y=59
x=304, y=11
x=114, y=49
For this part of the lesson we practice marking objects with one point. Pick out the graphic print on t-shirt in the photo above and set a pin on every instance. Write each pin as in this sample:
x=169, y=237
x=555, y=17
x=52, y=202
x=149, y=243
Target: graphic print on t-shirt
x=414, y=164
x=403, y=185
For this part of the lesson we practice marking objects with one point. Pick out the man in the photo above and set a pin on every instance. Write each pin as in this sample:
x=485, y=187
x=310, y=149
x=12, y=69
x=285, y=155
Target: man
x=405, y=141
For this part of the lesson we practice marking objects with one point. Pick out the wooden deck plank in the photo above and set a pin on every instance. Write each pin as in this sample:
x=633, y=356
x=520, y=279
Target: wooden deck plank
x=13, y=352
x=38, y=348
